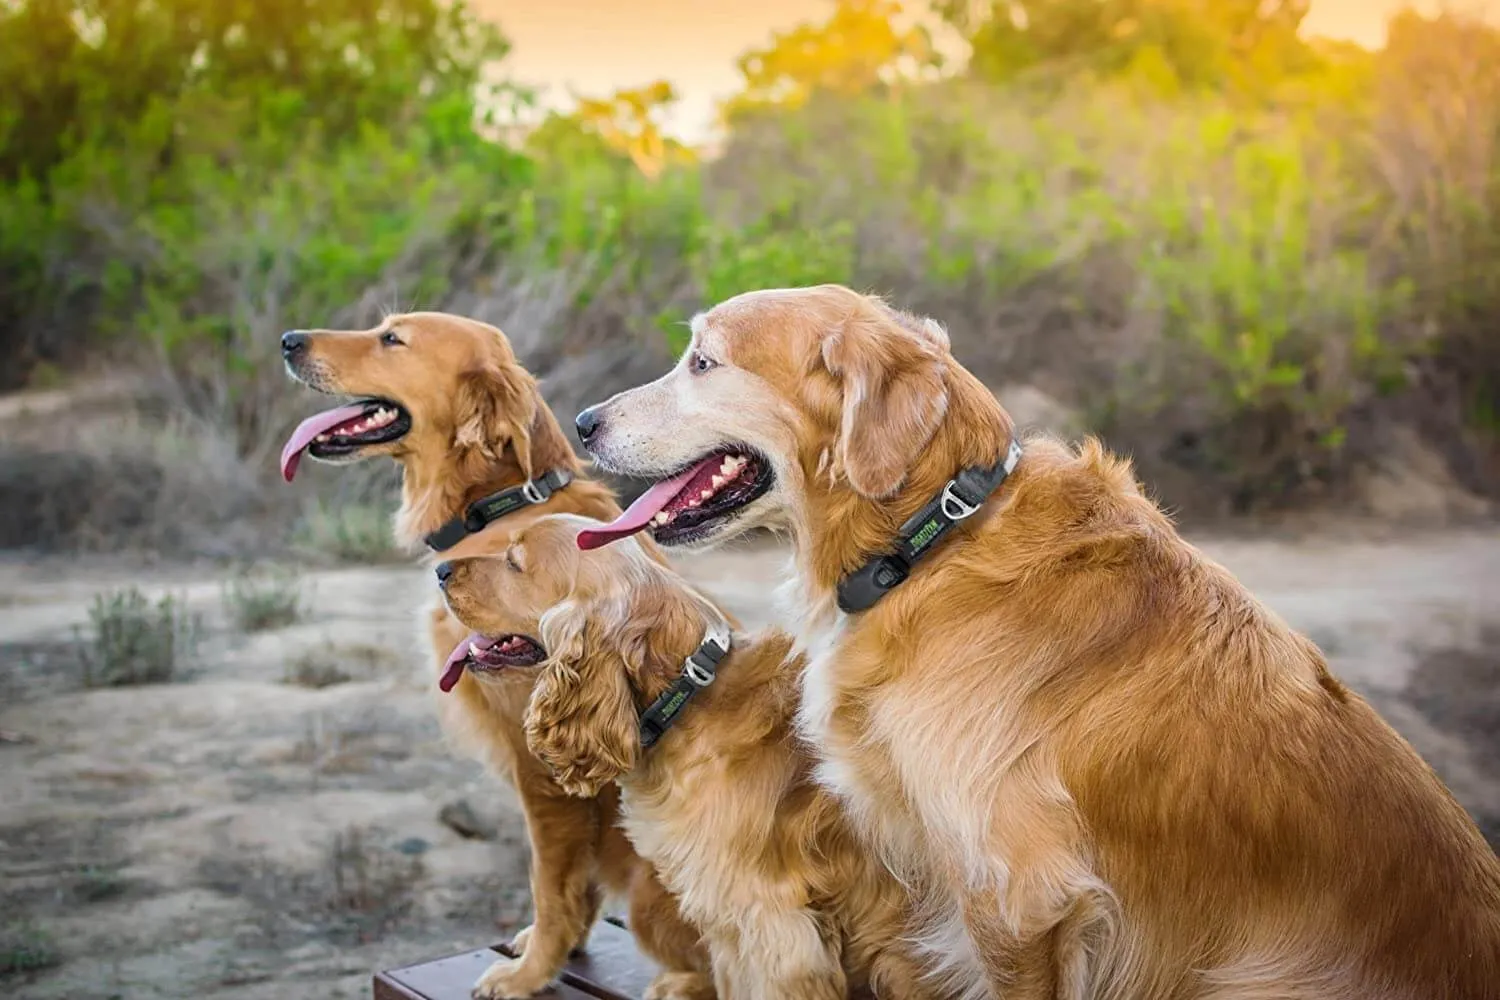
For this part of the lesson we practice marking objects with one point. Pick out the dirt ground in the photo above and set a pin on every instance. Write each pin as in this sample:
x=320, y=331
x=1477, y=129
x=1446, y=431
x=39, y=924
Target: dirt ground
x=235, y=835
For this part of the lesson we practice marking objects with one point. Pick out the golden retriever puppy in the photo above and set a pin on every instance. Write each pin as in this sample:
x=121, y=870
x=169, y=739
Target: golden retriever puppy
x=445, y=397
x=647, y=683
x=1128, y=778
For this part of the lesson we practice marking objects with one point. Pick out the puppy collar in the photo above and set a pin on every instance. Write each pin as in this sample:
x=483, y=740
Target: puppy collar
x=486, y=510
x=698, y=672
x=959, y=500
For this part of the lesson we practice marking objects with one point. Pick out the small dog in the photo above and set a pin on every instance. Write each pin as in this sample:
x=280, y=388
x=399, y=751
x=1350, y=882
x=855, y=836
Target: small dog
x=1127, y=777
x=445, y=397
x=723, y=800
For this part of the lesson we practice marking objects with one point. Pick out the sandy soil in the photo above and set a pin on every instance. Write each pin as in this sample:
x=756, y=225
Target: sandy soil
x=233, y=835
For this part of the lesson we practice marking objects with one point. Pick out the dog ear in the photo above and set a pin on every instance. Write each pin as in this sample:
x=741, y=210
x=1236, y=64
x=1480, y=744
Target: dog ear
x=495, y=406
x=891, y=366
x=581, y=721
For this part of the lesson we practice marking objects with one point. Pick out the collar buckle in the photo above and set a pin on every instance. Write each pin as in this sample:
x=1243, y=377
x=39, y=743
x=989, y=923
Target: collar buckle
x=955, y=507
x=699, y=675
x=536, y=490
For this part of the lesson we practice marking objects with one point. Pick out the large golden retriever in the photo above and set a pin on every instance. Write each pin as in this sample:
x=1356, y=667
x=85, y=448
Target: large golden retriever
x=1128, y=778
x=445, y=397
x=718, y=791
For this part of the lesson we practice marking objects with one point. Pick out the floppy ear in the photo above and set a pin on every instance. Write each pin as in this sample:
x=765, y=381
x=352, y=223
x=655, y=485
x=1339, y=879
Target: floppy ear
x=891, y=366
x=495, y=406
x=581, y=721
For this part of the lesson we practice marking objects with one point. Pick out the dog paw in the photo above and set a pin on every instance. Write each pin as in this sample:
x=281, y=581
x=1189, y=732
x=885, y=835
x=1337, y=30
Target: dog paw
x=680, y=986
x=509, y=979
x=518, y=943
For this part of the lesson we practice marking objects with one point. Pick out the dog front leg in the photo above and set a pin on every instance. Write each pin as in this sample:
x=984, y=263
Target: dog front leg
x=564, y=834
x=668, y=939
x=778, y=956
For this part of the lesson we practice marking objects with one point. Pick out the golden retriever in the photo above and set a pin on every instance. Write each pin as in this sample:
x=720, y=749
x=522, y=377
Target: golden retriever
x=1126, y=777
x=724, y=804
x=445, y=397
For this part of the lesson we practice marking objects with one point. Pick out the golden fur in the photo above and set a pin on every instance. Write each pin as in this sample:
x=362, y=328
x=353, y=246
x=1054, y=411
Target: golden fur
x=762, y=859
x=1124, y=776
x=479, y=425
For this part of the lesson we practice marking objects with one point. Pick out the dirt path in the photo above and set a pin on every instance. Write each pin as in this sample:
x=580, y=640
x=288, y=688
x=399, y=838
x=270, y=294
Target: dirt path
x=233, y=835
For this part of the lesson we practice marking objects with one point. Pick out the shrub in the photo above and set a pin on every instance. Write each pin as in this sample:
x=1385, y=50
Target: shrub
x=353, y=531
x=133, y=641
x=25, y=947
x=257, y=599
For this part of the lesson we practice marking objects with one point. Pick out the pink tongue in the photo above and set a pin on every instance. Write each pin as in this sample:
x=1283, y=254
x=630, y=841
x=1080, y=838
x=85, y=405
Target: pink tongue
x=310, y=428
x=454, y=668
x=640, y=513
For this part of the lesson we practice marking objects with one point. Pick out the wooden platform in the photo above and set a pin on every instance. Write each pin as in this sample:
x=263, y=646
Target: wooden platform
x=608, y=969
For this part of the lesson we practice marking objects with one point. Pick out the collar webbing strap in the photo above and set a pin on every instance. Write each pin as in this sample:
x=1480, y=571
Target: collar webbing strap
x=698, y=672
x=487, y=510
x=959, y=500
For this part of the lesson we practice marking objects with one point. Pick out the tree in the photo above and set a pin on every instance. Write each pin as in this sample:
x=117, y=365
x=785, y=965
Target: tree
x=1196, y=43
x=859, y=48
x=75, y=71
x=630, y=121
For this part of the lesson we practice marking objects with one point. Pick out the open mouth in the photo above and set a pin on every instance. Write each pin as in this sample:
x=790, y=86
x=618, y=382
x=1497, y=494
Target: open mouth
x=692, y=504
x=488, y=654
x=343, y=431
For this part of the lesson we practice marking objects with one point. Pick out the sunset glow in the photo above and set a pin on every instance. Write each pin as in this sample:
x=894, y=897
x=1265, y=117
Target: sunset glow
x=593, y=47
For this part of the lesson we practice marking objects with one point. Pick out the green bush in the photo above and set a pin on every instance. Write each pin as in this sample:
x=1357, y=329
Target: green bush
x=256, y=599
x=349, y=531
x=133, y=641
x=25, y=947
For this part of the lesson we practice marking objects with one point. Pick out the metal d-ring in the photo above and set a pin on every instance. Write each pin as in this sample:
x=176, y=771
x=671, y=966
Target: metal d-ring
x=955, y=507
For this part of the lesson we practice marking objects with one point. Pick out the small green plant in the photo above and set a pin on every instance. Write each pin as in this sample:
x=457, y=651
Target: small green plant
x=133, y=641
x=260, y=599
x=349, y=532
x=25, y=947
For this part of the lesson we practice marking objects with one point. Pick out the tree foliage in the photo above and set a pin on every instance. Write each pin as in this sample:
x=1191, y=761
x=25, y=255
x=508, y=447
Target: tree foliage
x=861, y=46
x=83, y=71
x=1178, y=43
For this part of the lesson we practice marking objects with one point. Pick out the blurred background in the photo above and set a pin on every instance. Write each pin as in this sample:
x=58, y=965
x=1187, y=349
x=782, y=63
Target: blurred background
x=1251, y=243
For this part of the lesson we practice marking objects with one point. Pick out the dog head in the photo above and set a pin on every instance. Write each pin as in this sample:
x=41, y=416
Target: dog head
x=602, y=632
x=423, y=383
x=781, y=394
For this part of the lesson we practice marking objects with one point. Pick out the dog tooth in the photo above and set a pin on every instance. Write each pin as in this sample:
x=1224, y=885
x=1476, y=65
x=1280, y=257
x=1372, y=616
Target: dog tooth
x=719, y=481
x=474, y=649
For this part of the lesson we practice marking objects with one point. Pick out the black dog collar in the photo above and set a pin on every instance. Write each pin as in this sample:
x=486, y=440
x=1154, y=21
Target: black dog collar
x=960, y=499
x=698, y=672
x=487, y=510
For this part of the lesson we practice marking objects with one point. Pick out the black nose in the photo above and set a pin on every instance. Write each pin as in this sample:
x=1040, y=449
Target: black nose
x=293, y=343
x=444, y=570
x=588, y=423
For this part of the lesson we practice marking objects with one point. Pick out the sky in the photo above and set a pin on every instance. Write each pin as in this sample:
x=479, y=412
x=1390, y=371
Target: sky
x=594, y=47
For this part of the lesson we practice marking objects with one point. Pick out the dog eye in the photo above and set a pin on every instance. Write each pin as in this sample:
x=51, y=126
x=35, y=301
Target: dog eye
x=389, y=339
x=698, y=364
